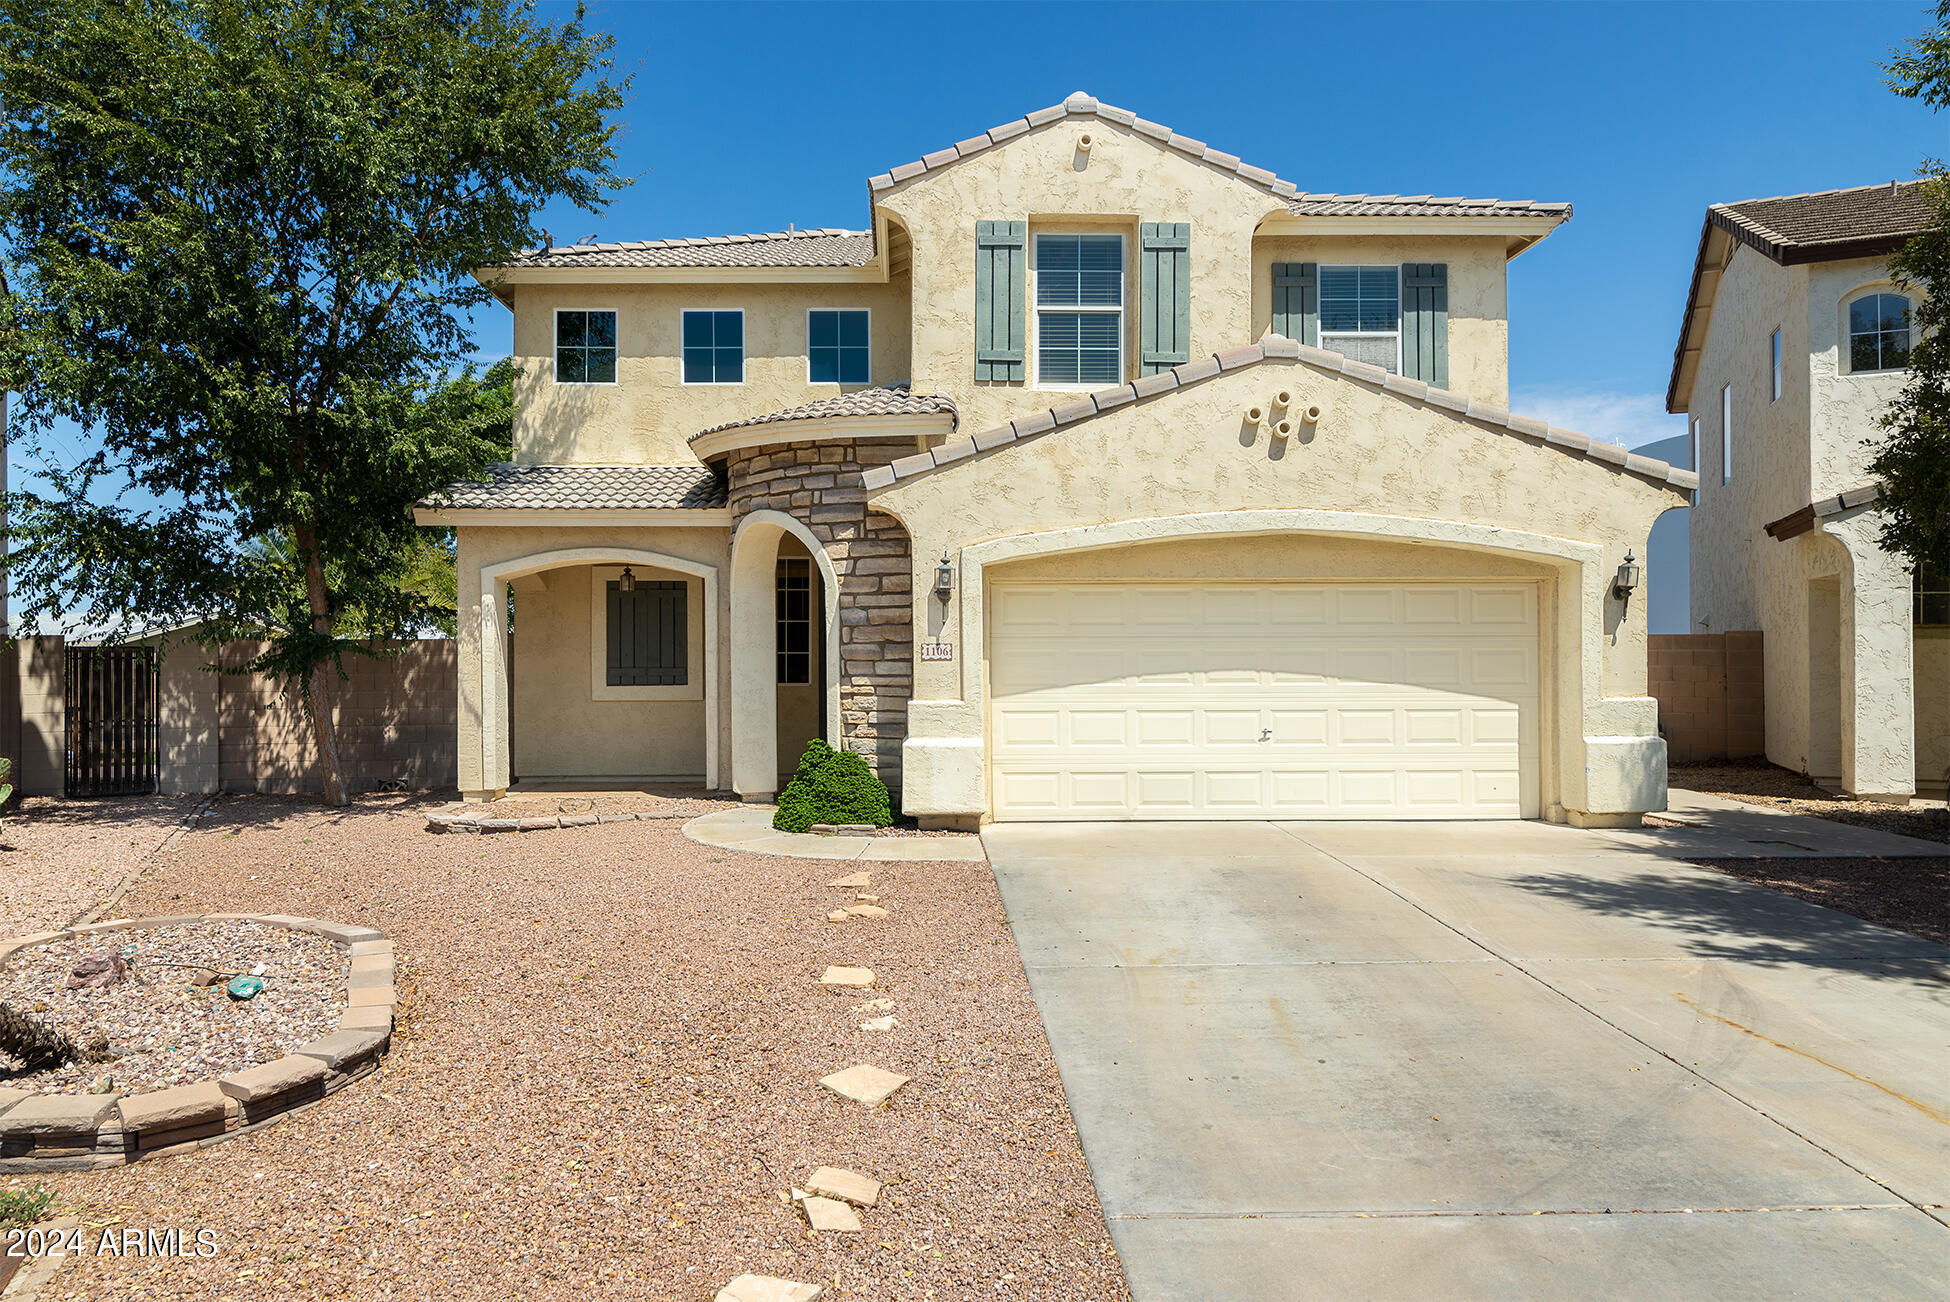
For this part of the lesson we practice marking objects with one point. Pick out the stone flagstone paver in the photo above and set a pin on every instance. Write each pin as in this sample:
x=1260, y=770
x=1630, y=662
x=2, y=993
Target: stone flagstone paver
x=866, y=911
x=853, y=881
x=832, y=1215
x=864, y=1083
x=887, y=1023
x=847, y=978
x=847, y=1186
x=838, y=915
x=768, y=1288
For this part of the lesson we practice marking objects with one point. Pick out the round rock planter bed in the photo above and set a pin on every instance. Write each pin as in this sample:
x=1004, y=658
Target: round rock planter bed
x=180, y=1051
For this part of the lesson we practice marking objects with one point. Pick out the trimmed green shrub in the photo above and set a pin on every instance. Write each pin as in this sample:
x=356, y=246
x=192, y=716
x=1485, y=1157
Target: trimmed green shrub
x=832, y=786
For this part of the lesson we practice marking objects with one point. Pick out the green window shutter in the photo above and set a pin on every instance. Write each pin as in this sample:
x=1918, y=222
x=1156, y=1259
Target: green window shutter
x=1296, y=301
x=1164, y=296
x=1001, y=257
x=648, y=635
x=1425, y=322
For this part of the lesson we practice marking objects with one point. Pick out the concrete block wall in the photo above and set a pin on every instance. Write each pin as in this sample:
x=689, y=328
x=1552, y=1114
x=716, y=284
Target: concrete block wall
x=1711, y=693
x=240, y=732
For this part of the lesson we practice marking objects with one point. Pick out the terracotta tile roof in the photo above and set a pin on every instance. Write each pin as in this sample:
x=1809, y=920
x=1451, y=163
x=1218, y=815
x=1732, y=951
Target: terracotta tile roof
x=1270, y=349
x=888, y=400
x=1306, y=205
x=1864, y=221
x=561, y=488
x=829, y=247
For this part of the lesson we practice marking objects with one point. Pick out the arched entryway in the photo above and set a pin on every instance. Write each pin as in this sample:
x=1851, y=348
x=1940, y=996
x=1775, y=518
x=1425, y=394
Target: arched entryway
x=784, y=673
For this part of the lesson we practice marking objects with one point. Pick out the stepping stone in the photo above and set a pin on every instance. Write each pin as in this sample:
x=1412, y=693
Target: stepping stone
x=886, y=1023
x=876, y=1006
x=853, y=881
x=849, y=978
x=864, y=1084
x=847, y=1186
x=838, y=915
x=865, y=898
x=831, y=1214
x=866, y=910
x=768, y=1288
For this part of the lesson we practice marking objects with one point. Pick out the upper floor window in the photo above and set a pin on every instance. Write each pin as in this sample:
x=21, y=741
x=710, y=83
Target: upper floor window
x=1726, y=434
x=1361, y=314
x=1695, y=466
x=585, y=347
x=1079, y=309
x=836, y=347
x=1878, y=333
x=714, y=347
x=1774, y=385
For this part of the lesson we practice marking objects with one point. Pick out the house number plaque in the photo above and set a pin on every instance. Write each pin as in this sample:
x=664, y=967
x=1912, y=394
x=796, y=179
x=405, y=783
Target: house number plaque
x=937, y=650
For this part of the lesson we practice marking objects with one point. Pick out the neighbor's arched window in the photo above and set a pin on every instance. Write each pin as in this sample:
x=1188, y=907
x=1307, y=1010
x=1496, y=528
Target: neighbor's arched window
x=1878, y=333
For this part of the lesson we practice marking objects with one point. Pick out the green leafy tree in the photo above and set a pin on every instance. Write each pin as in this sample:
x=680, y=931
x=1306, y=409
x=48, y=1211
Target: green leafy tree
x=241, y=236
x=1912, y=459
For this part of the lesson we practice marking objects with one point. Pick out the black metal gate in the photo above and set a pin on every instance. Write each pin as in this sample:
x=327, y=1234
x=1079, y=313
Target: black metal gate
x=111, y=718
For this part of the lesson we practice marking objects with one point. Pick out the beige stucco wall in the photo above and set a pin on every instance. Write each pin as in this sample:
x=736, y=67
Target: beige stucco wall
x=1479, y=314
x=1378, y=466
x=1807, y=445
x=1125, y=179
x=556, y=723
x=649, y=413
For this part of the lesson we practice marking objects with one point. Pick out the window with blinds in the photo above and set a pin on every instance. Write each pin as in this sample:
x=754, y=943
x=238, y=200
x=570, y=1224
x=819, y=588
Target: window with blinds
x=1079, y=309
x=1361, y=314
x=648, y=634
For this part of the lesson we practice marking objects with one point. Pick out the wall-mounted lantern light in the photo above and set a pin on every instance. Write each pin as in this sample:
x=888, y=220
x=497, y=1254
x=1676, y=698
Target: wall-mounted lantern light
x=944, y=578
x=626, y=581
x=1628, y=578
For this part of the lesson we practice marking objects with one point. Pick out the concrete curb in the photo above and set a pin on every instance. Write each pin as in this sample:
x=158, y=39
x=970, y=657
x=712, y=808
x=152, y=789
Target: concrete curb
x=749, y=828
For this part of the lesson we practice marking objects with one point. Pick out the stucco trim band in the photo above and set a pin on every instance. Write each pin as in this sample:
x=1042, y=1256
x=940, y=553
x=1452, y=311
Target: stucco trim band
x=1277, y=348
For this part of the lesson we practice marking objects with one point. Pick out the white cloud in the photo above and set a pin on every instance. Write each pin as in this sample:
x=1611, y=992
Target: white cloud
x=1633, y=419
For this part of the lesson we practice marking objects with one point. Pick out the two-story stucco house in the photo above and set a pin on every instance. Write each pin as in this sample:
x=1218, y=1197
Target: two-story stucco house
x=1793, y=343
x=1102, y=476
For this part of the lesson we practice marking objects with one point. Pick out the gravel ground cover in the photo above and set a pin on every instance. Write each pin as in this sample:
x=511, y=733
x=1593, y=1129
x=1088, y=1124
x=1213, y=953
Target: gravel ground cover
x=150, y=1030
x=1910, y=895
x=662, y=802
x=606, y=1074
x=58, y=857
x=1767, y=784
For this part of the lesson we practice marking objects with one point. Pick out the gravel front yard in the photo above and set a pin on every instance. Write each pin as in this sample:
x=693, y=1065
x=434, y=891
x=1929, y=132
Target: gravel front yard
x=1910, y=895
x=606, y=1074
x=1767, y=784
x=59, y=857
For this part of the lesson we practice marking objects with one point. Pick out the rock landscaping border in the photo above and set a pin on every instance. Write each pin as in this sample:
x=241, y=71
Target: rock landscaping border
x=83, y=1132
x=487, y=822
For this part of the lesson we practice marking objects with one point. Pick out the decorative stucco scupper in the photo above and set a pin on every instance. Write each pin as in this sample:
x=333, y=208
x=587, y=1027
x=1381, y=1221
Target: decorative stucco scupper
x=1275, y=348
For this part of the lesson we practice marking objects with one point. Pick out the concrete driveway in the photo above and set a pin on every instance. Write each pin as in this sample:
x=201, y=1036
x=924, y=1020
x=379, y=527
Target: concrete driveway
x=1506, y=1060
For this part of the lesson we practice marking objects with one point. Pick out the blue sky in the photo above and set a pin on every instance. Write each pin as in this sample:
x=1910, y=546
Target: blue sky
x=747, y=117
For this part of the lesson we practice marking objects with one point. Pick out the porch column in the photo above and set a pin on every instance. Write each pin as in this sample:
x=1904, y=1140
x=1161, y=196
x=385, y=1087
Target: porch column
x=1878, y=673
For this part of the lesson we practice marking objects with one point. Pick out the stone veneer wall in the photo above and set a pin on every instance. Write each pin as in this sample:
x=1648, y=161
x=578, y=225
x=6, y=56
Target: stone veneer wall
x=819, y=485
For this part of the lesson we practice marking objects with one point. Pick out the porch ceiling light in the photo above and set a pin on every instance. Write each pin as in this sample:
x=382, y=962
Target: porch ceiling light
x=944, y=578
x=1628, y=578
x=626, y=581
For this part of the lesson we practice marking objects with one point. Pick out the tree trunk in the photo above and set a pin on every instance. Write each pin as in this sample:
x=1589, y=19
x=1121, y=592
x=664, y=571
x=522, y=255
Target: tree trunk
x=318, y=693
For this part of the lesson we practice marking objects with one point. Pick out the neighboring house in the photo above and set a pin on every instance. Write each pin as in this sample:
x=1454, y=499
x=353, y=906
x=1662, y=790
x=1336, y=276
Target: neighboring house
x=1794, y=342
x=1103, y=476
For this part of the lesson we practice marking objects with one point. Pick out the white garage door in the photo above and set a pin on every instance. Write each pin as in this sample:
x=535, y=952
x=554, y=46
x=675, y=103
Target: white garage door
x=1207, y=701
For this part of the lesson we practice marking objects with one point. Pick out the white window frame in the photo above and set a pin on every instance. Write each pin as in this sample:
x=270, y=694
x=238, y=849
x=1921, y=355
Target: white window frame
x=1845, y=338
x=1726, y=434
x=1323, y=331
x=866, y=383
x=745, y=367
x=1774, y=372
x=555, y=346
x=600, y=576
x=1036, y=314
